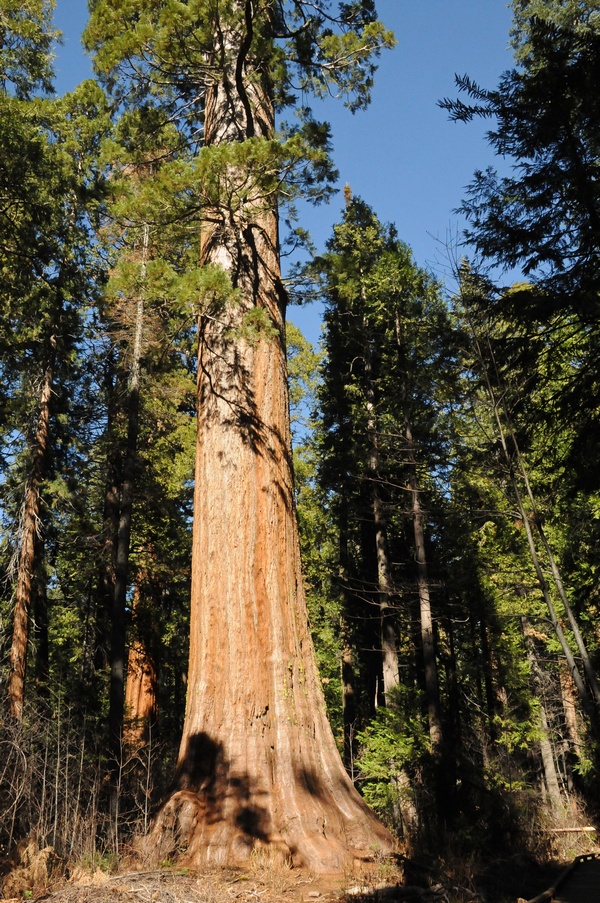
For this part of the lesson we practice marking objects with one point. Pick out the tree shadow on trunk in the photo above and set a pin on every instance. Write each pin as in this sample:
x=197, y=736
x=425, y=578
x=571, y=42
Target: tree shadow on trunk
x=209, y=789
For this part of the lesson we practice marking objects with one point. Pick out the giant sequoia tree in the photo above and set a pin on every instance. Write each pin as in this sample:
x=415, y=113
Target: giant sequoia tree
x=258, y=764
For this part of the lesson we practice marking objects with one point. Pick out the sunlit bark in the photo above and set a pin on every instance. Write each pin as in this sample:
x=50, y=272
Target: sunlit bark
x=141, y=706
x=258, y=765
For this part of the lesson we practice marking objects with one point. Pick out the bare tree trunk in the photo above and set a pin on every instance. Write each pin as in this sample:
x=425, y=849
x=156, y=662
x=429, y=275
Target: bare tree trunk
x=427, y=636
x=547, y=755
x=140, y=696
x=574, y=742
x=29, y=543
x=258, y=765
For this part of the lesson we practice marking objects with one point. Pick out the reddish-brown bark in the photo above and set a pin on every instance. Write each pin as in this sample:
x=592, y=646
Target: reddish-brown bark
x=258, y=765
x=258, y=762
x=29, y=544
x=140, y=696
x=141, y=684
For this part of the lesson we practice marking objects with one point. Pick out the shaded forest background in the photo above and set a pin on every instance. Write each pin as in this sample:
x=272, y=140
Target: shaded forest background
x=445, y=457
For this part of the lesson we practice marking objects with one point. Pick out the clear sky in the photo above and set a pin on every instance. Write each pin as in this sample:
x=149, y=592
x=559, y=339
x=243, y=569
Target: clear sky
x=402, y=156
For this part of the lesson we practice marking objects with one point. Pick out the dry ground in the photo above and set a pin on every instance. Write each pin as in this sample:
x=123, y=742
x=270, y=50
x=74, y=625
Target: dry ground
x=253, y=885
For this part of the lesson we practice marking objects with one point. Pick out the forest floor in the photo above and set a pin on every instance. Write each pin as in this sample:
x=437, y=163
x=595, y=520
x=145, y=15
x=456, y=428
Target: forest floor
x=244, y=886
x=497, y=880
x=253, y=885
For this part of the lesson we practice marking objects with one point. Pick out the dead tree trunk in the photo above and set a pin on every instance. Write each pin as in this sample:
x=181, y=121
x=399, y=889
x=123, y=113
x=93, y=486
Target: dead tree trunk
x=551, y=781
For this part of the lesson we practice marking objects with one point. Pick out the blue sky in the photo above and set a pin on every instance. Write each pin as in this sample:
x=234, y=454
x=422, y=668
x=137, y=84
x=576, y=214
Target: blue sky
x=402, y=156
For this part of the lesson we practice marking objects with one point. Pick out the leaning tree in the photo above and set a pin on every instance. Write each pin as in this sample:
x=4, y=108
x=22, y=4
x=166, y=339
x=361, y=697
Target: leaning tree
x=258, y=765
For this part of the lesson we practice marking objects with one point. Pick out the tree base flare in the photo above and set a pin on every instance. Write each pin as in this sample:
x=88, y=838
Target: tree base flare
x=187, y=830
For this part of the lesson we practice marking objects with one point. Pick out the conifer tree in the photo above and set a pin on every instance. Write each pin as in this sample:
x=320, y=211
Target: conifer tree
x=258, y=765
x=383, y=382
x=544, y=217
x=47, y=274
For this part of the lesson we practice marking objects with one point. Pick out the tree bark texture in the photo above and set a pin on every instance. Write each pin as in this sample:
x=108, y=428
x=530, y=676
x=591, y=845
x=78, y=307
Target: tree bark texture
x=29, y=544
x=141, y=685
x=258, y=765
x=141, y=695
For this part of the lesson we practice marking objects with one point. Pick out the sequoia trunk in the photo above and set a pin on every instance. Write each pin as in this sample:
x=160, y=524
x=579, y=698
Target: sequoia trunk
x=258, y=765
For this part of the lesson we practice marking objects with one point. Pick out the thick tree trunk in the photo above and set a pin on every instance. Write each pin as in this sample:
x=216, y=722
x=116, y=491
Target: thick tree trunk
x=29, y=543
x=140, y=696
x=258, y=765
